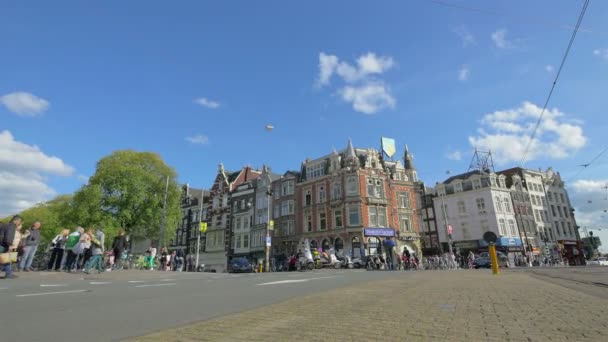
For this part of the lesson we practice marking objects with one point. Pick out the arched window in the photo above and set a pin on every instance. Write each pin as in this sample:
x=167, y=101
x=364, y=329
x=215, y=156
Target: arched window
x=313, y=244
x=339, y=244
x=325, y=245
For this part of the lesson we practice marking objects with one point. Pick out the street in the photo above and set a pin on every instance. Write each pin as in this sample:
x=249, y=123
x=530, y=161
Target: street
x=521, y=304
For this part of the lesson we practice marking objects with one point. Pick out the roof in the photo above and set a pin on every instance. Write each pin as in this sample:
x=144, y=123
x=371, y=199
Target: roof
x=462, y=176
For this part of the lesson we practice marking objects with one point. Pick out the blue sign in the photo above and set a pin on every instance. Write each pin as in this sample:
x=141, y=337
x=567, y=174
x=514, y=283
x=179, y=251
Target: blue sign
x=268, y=241
x=503, y=241
x=379, y=232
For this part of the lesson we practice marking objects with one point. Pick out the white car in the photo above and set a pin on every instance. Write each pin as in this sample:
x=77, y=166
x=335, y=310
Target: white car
x=598, y=262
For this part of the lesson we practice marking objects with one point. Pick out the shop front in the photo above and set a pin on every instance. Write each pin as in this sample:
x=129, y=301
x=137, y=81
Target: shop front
x=375, y=237
x=409, y=242
x=511, y=247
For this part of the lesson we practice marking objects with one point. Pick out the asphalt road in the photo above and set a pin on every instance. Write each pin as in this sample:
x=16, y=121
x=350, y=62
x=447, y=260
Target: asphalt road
x=118, y=305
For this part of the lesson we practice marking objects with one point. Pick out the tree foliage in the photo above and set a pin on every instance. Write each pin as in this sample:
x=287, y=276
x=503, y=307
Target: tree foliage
x=127, y=191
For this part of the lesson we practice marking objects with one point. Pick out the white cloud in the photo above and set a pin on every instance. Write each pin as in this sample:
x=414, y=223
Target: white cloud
x=361, y=87
x=602, y=53
x=500, y=39
x=22, y=174
x=507, y=133
x=198, y=139
x=454, y=155
x=369, y=98
x=25, y=104
x=463, y=73
x=588, y=197
x=205, y=102
x=464, y=34
x=549, y=68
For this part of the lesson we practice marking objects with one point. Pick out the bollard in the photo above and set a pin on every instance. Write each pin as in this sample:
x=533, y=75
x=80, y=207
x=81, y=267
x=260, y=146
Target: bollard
x=493, y=258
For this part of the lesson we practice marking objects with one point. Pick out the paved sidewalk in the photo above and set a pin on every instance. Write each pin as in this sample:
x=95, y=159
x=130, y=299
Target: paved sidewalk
x=422, y=306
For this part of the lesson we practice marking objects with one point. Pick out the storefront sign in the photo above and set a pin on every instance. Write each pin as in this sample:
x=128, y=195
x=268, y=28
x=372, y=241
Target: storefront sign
x=568, y=243
x=408, y=238
x=379, y=232
x=466, y=244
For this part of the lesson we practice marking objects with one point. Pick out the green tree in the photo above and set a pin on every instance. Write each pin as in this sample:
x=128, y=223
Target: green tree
x=127, y=191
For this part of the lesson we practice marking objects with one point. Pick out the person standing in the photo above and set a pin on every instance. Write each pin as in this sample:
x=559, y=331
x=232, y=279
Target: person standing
x=118, y=247
x=32, y=241
x=58, y=244
x=72, y=246
x=7, y=239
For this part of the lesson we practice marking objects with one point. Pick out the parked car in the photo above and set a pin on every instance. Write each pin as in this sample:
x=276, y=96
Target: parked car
x=483, y=260
x=598, y=261
x=240, y=265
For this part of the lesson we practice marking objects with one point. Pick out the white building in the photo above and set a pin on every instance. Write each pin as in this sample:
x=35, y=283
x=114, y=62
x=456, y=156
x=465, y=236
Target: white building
x=474, y=203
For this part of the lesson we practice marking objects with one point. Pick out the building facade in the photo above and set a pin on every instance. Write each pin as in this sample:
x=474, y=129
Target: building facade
x=242, y=201
x=284, y=215
x=351, y=200
x=474, y=203
x=194, y=211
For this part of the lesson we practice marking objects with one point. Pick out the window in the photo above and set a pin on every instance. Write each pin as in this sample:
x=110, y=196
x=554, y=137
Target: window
x=547, y=216
x=225, y=201
x=290, y=228
x=507, y=205
x=466, y=233
x=321, y=193
x=291, y=207
x=336, y=190
x=315, y=170
x=371, y=189
x=354, y=215
x=381, y=217
x=352, y=186
x=308, y=197
x=461, y=207
x=373, y=220
x=556, y=227
x=512, y=228
x=501, y=227
x=377, y=216
x=553, y=210
x=287, y=188
x=563, y=228
x=245, y=222
x=404, y=200
x=537, y=215
x=237, y=223
x=379, y=188
x=476, y=183
x=277, y=211
x=481, y=205
x=559, y=211
x=216, y=202
x=533, y=198
x=338, y=218
x=322, y=221
x=405, y=223
x=246, y=241
x=284, y=208
x=550, y=196
x=561, y=196
x=237, y=243
x=544, y=201
x=570, y=229
x=498, y=204
x=308, y=222
x=565, y=212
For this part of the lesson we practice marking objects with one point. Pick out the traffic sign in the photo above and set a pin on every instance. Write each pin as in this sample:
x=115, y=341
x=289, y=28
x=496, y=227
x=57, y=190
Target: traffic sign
x=450, y=229
x=268, y=241
x=271, y=225
x=203, y=227
x=490, y=237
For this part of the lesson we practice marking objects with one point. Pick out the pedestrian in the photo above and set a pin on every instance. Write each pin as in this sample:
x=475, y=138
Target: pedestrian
x=179, y=260
x=96, y=259
x=58, y=244
x=7, y=243
x=150, y=256
x=32, y=240
x=72, y=245
x=118, y=247
x=163, y=258
x=86, y=248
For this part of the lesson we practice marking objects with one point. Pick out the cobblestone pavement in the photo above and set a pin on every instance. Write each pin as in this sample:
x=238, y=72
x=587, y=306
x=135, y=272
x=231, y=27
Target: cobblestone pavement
x=421, y=306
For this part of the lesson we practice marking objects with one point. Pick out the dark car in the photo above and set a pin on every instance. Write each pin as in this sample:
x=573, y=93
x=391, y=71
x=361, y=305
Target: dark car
x=483, y=260
x=240, y=265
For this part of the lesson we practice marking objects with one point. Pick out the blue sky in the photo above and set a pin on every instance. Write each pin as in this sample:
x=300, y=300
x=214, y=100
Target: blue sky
x=79, y=81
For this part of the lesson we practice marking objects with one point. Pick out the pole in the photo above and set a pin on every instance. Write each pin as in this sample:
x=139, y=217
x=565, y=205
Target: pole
x=445, y=218
x=267, y=248
x=493, y=258
x=162, y=222
x=198, y=239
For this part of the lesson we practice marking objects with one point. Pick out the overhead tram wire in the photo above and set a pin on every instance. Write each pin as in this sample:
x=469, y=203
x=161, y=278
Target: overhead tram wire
x=586, y=166
x=559, y=71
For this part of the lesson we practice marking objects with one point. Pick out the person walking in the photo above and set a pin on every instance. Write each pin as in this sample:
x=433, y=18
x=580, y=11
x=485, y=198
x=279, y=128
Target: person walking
x=32, y=240
x=7, y=239
x=58, y=244
x=179, y=260
x=71, y=246
x=86, y=248
x=118, y=247
x=96, y=259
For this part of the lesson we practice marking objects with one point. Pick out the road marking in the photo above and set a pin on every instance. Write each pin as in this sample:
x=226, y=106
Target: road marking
x=295, y=280
x=3, y=288
x=52, y=285
x=168, y=279
x=100, y=282
x=137, y=281
x=150, y=285
x=50, y=293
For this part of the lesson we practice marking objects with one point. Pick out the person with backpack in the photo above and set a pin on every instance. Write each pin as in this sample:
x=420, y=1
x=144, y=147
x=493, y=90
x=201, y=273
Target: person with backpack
x=7, y=243
x=58, y=244
x=71, y=246
x=96, y=259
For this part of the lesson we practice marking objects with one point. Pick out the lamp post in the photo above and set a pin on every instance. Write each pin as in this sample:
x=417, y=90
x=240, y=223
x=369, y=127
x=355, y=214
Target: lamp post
x=268, y=223
x=447, y=225
x=162, y=222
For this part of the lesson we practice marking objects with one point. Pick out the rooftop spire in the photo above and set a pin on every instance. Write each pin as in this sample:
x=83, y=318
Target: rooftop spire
x=408, y=159
x=350, y=150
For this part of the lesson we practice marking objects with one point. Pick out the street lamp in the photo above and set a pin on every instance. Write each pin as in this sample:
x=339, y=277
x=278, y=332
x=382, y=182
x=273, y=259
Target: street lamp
x=445, y=219
x=268, y=223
